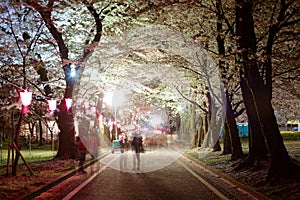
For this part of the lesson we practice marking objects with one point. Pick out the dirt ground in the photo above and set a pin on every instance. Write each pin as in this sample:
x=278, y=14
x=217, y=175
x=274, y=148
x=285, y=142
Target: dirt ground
x=284, y=189
x=21, y=185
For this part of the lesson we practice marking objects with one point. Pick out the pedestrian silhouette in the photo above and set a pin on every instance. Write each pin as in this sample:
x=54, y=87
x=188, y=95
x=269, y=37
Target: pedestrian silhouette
x=81, y=153
x=137, y=144
x=94, y=143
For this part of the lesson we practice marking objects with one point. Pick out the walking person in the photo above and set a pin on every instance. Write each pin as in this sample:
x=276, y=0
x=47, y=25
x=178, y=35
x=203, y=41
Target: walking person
x=94, y=143
x=137, y=144
x=81, y=153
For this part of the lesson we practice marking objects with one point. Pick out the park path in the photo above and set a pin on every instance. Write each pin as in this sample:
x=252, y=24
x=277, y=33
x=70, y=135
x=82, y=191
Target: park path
x=182, y=179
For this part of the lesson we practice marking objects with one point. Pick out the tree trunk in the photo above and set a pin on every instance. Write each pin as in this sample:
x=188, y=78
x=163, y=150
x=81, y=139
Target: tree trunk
x=192, y=126
x=41, y=132
x=65, y=123
x=226, y=140
x=236, y=146
x=16, y=141
x=200, y=131
x=67, y=147
x=281, y=164
x=257, y=145
x=217, y=146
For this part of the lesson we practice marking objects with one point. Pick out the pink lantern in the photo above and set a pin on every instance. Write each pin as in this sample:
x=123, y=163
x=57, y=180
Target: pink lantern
x=52, y=104
x=26, y=98
x=68, y=103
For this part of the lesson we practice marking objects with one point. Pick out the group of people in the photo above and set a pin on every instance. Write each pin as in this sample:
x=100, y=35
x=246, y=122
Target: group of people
x=136, y=143
x=94, y=143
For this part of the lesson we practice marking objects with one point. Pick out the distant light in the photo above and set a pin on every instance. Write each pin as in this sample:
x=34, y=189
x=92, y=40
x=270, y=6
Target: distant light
x=156, y=120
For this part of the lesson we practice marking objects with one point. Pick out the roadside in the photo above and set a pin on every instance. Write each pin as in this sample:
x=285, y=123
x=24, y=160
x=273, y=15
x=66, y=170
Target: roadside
x=287, y=189
x=62, y=177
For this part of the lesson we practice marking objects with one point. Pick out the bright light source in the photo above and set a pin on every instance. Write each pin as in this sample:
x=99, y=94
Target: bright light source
x=26, y=98
x=73, y=71
x=68, y=103
x=115, y=98
x=52, y=104
x=156, y=120
x=118, y=98
x=108, y=98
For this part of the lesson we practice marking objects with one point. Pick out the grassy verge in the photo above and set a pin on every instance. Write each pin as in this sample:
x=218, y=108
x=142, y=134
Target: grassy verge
x=36, y=153
x=290, y=135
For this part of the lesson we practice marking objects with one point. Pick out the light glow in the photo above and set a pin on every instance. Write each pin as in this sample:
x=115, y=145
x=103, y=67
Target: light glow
x=52, y=104
x=26, y=98
x=68, y=103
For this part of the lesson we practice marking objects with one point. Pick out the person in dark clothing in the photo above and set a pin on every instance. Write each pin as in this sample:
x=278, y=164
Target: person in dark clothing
x=137, y=144
x=81, y=153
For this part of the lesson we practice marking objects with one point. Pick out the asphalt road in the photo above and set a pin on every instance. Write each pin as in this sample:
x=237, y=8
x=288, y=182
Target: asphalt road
x=163, y=174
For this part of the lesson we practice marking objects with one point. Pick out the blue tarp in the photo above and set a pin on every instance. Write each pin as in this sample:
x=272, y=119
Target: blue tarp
x=242, y=128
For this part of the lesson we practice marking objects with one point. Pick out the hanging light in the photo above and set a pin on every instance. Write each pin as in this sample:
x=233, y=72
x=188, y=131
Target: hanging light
x=52, y=104
x=68, y=103
x=26, y=98
x=73, y=70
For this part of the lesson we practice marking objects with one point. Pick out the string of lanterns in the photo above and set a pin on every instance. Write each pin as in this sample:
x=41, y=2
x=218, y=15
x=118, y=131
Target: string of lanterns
x=26, y=99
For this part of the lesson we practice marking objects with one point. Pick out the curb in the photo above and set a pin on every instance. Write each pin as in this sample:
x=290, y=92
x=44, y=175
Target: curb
x=249, y=189
x=61, y=179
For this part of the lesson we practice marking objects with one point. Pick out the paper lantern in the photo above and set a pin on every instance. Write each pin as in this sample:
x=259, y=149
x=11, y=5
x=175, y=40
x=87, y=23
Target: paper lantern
x=68, y=103
x=26, y=98
x=52, y=104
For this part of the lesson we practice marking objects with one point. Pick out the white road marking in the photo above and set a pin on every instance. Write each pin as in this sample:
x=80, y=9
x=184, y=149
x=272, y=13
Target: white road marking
x=71, y=194
x=209, y=186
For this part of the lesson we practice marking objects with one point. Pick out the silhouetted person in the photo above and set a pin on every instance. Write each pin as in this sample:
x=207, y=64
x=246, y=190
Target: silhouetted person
x=94, y=143
x=137, y=144
x=81, y=153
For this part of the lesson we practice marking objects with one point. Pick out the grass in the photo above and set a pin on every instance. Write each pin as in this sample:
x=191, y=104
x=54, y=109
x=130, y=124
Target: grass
x=37, y=153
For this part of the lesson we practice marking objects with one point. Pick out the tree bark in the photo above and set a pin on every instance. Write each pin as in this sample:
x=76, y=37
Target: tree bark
x=217, y=146
x=16, y=141
x=236, y=145
x=226, y=140
x=228, y=124
x=257, y=146
x=67, y=147
x=281, y=164
x=200, y=131
x=41, y=132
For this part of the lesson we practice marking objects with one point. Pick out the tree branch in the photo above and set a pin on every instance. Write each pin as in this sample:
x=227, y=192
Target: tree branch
x=191, y=101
